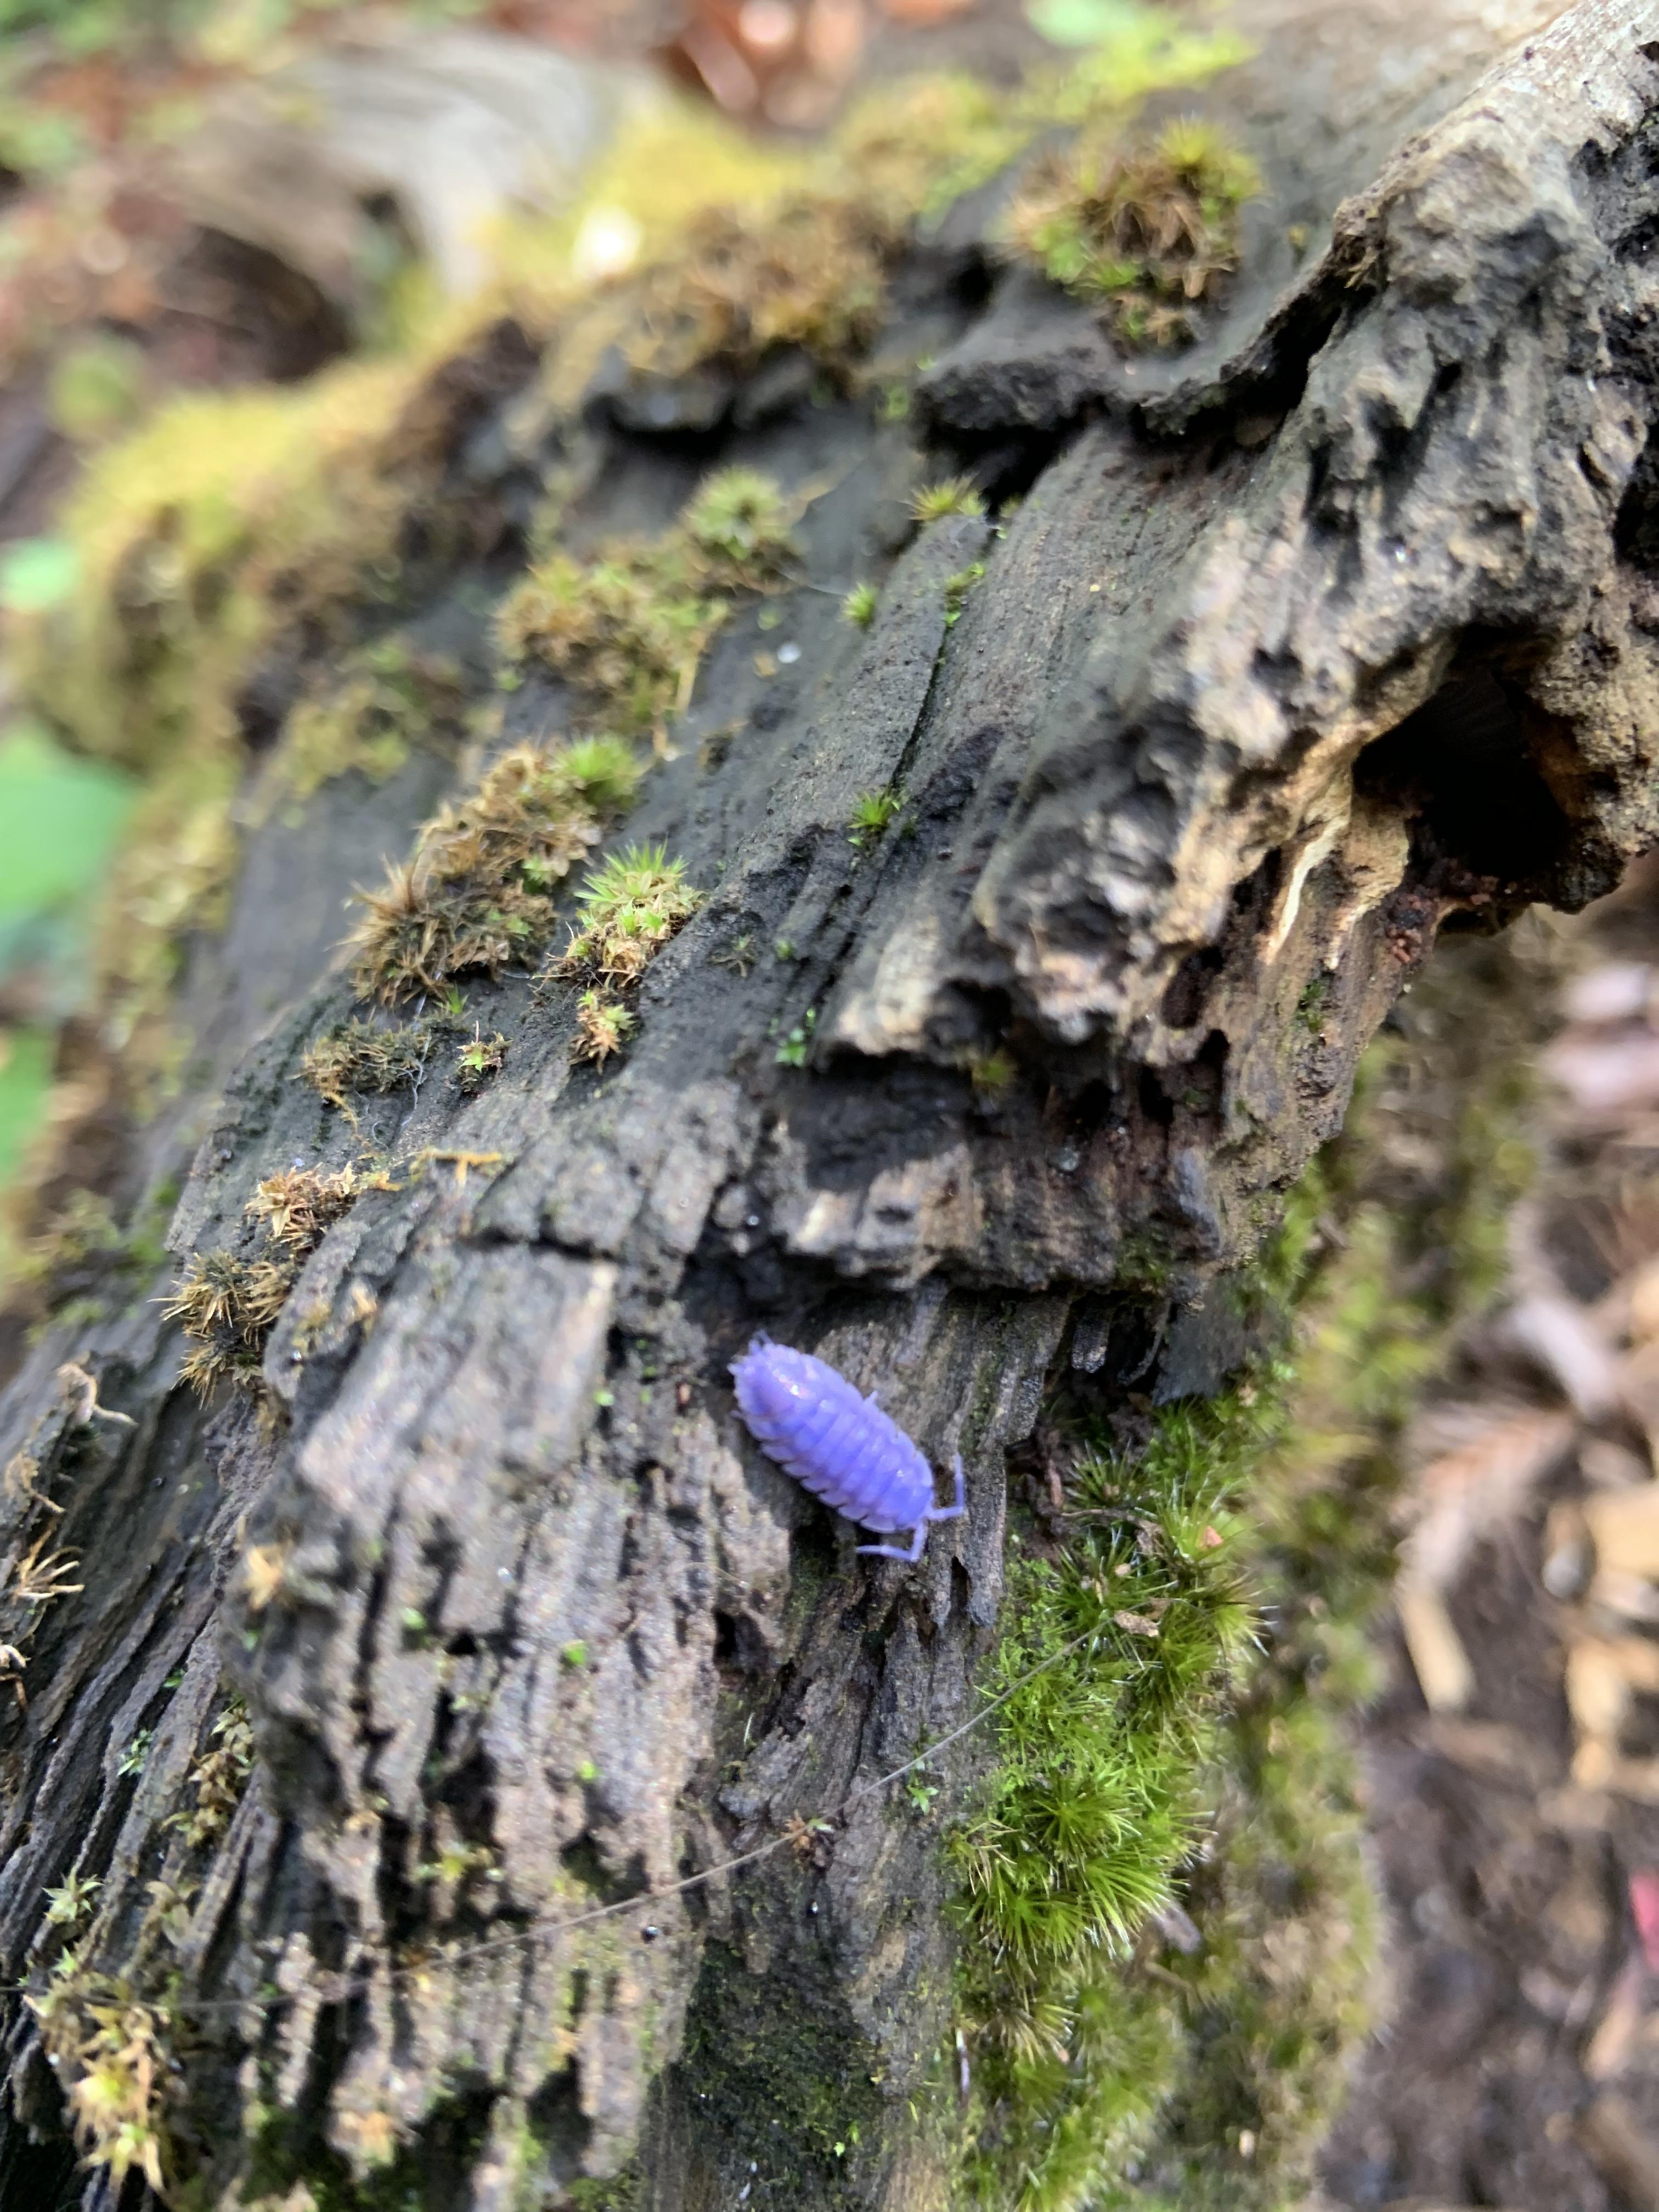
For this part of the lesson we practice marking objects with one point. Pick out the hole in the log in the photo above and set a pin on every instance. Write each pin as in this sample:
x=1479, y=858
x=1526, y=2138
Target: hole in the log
x=1155, y=1102
x=1636, y=527
x=1462, y=770
x=1189, y=986
x=738, y=1643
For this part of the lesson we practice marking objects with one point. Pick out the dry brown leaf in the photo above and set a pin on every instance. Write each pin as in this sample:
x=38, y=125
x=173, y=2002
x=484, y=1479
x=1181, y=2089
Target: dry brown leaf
x=1441, y=1665
x=1623, y=1527
x=1564, y=1338
x=1467, y=1492
x=1608, y=2050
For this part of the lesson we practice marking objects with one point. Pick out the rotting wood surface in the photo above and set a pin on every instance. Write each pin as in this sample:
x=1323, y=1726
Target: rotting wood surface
x=1300, y=643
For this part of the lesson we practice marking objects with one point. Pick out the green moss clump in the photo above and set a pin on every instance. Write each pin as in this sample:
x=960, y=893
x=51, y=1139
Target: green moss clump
x=809, y=272
x=478, y=894
x=479, y=1060
x=957, y=588
x=630, y=908
x=388, y=700
x=873, y=813
x=627, y=630
x=860, y=605
x=1095, y=1795
x=1212, y=2074
x=740, y=523
x=1148, y=233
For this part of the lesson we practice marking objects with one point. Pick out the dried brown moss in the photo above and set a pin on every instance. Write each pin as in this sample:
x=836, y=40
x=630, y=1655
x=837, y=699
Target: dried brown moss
x=478, y=895
x=228, y=1302
x=368, y=1059
x=1148, y=233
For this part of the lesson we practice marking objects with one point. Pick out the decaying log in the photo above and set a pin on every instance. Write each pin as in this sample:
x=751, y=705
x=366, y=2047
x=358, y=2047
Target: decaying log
x=1336, y=627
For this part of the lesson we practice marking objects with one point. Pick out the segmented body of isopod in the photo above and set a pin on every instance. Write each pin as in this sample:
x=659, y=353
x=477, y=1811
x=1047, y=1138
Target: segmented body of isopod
x=840, y=1446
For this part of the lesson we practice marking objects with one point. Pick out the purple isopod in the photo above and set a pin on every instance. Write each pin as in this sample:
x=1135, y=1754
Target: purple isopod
x=838, y=1446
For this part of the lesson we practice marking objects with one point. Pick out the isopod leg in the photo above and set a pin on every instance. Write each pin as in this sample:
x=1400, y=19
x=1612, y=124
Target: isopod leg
x=892, y=1550
x=951, y=1512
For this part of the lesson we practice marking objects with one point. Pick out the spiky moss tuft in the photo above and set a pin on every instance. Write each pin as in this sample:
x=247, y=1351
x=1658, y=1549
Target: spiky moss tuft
x=628, y=629
x=1149, y=234
x=298, y=1205
x=860, y=605
x=873, y=813
x=739, y=522
x=630, y=908
x=953, y=495
x=604, y=1026
x=626, y=632
x=478, y=894
x=1216, y=2075
x=479, y=1060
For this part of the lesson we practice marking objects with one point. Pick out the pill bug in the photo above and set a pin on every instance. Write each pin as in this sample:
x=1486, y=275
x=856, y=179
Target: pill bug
x=840, y=1446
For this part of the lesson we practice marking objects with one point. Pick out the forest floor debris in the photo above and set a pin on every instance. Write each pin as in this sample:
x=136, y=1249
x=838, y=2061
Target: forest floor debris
x=1514, y=1756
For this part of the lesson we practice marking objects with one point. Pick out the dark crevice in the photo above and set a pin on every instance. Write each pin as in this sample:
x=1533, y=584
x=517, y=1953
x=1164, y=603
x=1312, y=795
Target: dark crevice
x=1463, y=770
